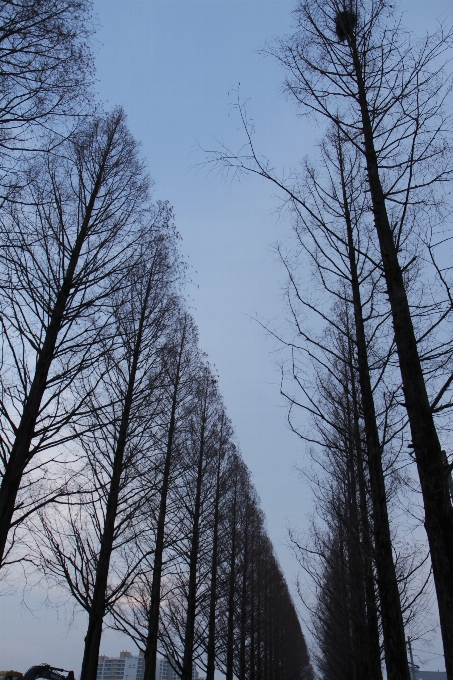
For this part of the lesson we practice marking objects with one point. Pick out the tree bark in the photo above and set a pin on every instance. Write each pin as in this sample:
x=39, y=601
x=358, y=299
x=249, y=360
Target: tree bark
x=361, y=668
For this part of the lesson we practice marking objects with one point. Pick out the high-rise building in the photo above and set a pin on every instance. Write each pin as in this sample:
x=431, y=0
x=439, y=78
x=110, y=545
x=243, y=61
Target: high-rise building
x=129, y=667
x=124, y=667
x=165, y=671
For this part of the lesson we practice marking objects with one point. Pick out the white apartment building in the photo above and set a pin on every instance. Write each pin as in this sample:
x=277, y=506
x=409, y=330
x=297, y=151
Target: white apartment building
x=164, y=671
x=128, y=667
x=124, y=667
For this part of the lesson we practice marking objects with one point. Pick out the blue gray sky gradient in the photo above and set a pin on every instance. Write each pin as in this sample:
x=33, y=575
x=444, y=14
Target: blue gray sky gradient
x=175, y=66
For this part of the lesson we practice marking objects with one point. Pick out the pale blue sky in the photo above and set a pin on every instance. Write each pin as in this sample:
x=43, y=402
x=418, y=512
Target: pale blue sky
x=173, y=65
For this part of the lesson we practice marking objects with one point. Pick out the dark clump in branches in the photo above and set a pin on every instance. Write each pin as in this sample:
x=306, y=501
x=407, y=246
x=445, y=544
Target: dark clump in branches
x=345, y=23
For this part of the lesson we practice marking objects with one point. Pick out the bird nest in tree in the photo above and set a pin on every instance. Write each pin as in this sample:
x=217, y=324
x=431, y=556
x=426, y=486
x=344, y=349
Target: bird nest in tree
x=345, y=23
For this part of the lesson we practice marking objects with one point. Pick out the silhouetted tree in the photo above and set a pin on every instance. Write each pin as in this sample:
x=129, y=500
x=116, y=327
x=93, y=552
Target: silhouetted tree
x=61, y=255
x=386, y=95
x=117, y=438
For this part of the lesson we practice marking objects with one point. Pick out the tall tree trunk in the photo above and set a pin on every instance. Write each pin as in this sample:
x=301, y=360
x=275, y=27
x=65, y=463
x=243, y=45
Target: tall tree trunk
x=211, y=646
x=244, y=601
x=252, y=611
x=355, y=564
x=153, y=615
x=98, y=602
x=259, y=652
x=392, y=619
x=231, y=584
x=373, y=643
x=193, y=560
x=427, y=449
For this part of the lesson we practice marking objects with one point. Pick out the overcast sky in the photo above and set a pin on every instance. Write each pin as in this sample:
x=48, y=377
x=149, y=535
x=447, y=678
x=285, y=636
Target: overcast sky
x=175, y=66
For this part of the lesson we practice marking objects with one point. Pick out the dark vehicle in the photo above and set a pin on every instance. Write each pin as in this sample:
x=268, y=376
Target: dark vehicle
x=46, y=672
x=10, y=675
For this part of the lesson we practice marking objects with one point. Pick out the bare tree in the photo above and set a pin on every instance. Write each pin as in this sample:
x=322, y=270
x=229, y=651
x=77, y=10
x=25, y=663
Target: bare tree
x=206, y=475
x=348, y=63
x=61, y=255
x=232, y=573
x=333, y=234
x=117, y=438
x=141, y=316
x=338, y=553
x=224, y=443
x=178, y=365
x=140, y=618
x=191, y=581
x=138, y=615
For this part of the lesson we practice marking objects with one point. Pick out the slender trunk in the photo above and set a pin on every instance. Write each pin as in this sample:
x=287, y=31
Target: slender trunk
x=193, y=560
x=259, y=656
x=153, y=615
x=269, y=642
x=98, y=602
x=20, y=451
x=266, y=637
x=427, y=449
x=373, y=644
x=252, y=611
x=244, y=602
x=232, y=579
x=340, y=594
x=392, y=618
x=355, y=565
x=211, y=646
x=274, y=634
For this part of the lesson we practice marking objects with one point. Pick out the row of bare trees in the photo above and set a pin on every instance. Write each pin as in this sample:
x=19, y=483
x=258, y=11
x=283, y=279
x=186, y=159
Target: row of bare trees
x=121, y=482
x=370, y=367
x=354, y=403
x=164, y=537
x=224, y=602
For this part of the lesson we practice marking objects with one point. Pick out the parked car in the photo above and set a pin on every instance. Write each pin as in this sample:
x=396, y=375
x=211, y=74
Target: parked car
x=10, y=675
x=46, y=672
